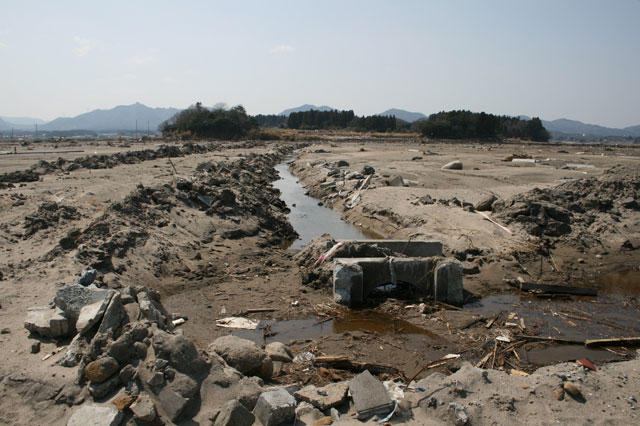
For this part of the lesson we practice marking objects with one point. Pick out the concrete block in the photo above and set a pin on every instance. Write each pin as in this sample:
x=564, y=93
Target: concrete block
x=234, y=414
x=325, y=397
x=448, y=282
x=347, y=282
x=47, y=322
x=275, y=407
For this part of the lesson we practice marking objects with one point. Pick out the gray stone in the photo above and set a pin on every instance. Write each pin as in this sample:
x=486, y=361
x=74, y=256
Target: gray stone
x=448, y=282
x=454, y=165
x=71, y=298
x=458, y=415
x=629, y=203
x=172, y=403
x=396, y=181
x=91, y=314
x=278, y=352
x=95, y=415
x=307, y=413
x=156, y=379
x=234, y=414
x=342, y=163
x=87, y=277
x=102, y=389
x=127, y=374
x=113, y=316
x=74, y=351
x=368, y=170
x=181, y=384
x=35, y=347
x=486, y=203
x=47, y=322
x=180, y=352
x=241, y=354
x=325, y=397
x=150, y=310
x=369, y=396
x=144, y=408
x=128, y=295
x=275, y=407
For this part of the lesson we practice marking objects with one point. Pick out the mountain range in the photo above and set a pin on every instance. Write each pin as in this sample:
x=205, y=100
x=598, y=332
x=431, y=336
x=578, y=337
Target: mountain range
x=124, y=117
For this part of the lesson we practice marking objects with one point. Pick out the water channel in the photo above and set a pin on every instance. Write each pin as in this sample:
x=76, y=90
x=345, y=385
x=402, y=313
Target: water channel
x=308, y=218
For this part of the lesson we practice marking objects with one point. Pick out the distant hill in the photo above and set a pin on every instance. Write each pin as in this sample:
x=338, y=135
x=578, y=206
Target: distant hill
x=564, y=125
x=22, y=122
x=402, y=114
x=122, y=117
x=306, y=107
x=4, y=125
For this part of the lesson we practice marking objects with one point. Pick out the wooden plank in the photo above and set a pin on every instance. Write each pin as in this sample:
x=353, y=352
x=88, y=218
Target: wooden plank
x=620, y=341
x=553, y=289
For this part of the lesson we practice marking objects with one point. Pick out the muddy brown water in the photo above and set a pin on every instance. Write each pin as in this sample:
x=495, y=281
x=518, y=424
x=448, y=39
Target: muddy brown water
x=308, y=218
x=614, y=313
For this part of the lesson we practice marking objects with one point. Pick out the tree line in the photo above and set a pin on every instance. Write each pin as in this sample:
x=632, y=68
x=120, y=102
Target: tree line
x=335, y=119
x=218, y=122
x=472, y=125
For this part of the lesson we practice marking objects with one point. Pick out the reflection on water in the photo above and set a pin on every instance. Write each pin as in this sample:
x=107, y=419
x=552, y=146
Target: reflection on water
x=626, y=282
x=308, y=218
x=377, y=322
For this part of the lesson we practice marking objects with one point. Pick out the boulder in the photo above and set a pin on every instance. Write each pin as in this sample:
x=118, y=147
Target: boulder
x=171, y=403
x=275, y=407
x=241, y=354
x=486, y=203
x=368, y=170
x=278, y=351
x=180, y=352
x=454, y=165
x=234, y=414
x=47, y=322
x=95, y=415
x=101, y=369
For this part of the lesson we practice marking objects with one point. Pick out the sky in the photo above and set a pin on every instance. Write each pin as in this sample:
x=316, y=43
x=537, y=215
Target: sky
x=552, y=59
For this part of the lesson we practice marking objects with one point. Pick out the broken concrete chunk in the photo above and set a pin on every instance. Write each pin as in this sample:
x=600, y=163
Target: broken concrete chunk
x=113, y=316
x=47, y=322
x=347, y=283
x=102, y=389
x=74, y=351
x=396, y=181
x=172, y=403
x=149, y=310
x=87, y=277
x=144, y=409
x=278, y=352
x=275, y=407
x=73, y=297
x=454, y=165
x=234, y=414
x=91, y=314
x=95, y=415
x=101, y=369
x=486, y=203
x=325, y=397
x=369, y=396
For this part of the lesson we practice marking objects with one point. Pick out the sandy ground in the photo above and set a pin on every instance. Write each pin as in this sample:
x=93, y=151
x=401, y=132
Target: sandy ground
x=203, y=275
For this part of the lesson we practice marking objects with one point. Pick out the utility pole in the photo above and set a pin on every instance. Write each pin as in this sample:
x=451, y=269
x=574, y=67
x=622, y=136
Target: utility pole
x=12, y=134
x=36, y=135
x=147, y=128
x=136, y=129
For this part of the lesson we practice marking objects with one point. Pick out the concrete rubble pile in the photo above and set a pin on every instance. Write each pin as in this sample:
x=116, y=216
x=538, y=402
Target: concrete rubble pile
x=133, y=365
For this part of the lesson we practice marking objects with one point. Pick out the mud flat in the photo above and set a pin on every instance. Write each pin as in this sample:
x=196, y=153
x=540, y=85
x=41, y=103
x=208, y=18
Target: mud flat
x=198, y=231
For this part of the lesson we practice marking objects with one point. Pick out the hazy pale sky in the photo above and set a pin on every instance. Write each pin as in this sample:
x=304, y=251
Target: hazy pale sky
x=558, y=58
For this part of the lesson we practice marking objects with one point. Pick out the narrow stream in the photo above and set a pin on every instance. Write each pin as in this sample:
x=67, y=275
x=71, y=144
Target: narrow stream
x=309, y=219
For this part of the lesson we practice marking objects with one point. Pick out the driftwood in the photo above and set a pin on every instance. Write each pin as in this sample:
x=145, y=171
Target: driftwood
x=553, y=289
x=343, y=362
x=550, y=339
x=620, y=341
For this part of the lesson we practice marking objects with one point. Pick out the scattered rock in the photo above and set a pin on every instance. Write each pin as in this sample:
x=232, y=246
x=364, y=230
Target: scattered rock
x=278, y=351
x=234, y=414
x=95, y=415
x=396, y=181
x=572, y=389
x=172, y=403
x=559, y=394
x=73, y=297
x=123, y=402
x=369, y=396
x=454, y=165
x=74, y=351
x=101, y=369
x=325, y=397
x=486, y=203
x=102, y=389
x=368, y=170
x=156, y=379
x=342, y=163
x=458, y=415
x=91, y=314
x=87, y=277
x=35, y=347
x=275, y=407
x=180, y=352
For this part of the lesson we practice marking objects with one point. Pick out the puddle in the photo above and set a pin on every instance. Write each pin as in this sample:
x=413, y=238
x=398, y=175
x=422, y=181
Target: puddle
x=567, y=353
x=619, y=282
x=368, y=321
x=308, y=218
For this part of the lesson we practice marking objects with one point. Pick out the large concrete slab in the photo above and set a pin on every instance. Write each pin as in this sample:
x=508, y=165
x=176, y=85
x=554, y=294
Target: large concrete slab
x=412, y=248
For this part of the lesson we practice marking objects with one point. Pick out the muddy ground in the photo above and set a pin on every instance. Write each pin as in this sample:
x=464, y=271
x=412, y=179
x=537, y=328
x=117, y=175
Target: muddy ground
x=202, y=224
